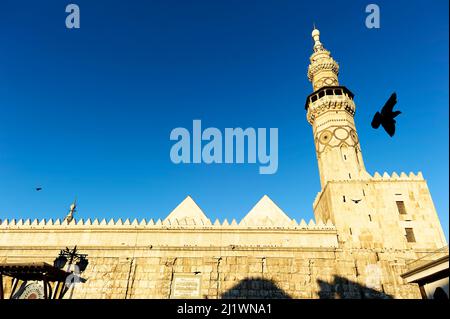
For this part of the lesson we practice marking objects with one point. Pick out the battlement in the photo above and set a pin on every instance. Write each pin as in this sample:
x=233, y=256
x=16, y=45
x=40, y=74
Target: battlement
x=365, y=176
x=265, y=225
x=158, y=224
x=377, y=177
x=187, y=215
x=396, y=177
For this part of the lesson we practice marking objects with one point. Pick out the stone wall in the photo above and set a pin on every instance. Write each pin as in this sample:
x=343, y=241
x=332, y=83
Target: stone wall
x=265, y=255
x=227, y=272
x=366, y=215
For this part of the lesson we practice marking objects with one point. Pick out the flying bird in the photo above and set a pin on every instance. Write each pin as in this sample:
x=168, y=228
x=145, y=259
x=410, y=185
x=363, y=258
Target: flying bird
x=38, y=188
x=387, y=115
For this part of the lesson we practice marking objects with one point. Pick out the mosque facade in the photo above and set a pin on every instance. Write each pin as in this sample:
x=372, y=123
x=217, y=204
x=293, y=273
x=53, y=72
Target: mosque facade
x=367, y=229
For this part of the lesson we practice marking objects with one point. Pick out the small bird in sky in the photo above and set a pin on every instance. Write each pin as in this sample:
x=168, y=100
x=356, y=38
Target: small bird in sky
x=387, y=115
x=38, y=189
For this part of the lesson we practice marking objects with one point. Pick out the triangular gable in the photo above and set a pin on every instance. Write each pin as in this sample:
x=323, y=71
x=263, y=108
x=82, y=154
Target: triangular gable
x=266, y=213
x=187, y=213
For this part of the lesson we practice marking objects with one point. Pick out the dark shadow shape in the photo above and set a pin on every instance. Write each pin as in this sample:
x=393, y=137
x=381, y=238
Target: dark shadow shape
x=342, y=288
x=439, y=294
x=255, y=288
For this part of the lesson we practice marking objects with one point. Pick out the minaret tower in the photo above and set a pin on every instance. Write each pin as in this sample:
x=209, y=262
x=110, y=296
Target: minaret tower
x=330, y=111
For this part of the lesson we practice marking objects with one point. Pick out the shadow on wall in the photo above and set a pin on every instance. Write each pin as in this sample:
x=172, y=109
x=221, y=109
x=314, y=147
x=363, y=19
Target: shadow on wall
x=255, y=288
x=342, y=288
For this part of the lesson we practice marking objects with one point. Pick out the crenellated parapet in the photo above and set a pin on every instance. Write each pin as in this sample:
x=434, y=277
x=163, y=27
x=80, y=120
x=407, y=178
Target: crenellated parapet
x=186, y=226
x=376, y=177
x=398, y=177
x=187, y=215
x=365, y=176
x=158, y=224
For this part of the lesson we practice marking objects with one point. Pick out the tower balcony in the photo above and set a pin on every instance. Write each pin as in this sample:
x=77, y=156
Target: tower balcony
x=329, y=98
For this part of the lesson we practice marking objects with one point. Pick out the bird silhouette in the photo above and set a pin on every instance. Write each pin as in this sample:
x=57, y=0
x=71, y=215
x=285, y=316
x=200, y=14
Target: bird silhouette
x=387, y=115
x=38, y=188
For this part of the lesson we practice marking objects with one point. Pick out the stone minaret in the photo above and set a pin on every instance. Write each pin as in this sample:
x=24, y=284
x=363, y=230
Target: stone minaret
x=371, y=212
x=72, y=210
x=330, y=111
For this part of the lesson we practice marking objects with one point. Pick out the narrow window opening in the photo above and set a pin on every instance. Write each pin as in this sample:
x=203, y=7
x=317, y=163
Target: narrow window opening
x=410, y=235
x=401, y=207
x=343, y=198
x=364, y=193
x=345, y=157
x=349, y=176
x=370, y=218
x=351, y=231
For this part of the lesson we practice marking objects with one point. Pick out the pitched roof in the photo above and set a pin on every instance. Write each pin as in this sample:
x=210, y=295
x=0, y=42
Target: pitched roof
x=265, y=213
x=188, y=212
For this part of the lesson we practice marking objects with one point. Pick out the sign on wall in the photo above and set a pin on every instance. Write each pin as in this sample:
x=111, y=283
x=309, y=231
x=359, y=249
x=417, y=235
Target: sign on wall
x=185, y=286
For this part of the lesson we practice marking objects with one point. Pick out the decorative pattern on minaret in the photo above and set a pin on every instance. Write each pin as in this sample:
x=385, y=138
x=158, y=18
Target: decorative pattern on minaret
x=323, y=69
x=330, y=110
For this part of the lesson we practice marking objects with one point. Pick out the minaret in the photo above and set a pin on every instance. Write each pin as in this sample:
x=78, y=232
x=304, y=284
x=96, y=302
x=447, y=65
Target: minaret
x=72, y=210
x=330, y=111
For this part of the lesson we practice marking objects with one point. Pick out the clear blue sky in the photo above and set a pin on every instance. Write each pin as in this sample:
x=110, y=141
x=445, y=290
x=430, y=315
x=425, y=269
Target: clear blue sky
x=88, y=112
